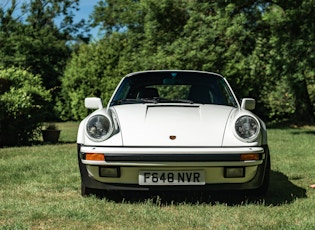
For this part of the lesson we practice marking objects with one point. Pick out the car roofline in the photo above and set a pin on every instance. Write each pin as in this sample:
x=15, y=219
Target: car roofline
x=173, y=70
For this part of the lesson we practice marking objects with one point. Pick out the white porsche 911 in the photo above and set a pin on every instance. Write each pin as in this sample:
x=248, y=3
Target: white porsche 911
x=173, y=130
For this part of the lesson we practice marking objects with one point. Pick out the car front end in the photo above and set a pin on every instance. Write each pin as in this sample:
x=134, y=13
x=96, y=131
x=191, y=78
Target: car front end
x=149, y=145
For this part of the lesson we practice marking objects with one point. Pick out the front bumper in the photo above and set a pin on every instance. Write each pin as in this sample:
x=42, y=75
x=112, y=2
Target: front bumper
x=212, y=161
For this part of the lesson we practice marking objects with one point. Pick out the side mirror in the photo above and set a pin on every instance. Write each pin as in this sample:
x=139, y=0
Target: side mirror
x=248, y=103
x=93, y=103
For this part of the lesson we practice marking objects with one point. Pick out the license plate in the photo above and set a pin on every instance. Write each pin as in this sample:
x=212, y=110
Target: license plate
x=172, y=177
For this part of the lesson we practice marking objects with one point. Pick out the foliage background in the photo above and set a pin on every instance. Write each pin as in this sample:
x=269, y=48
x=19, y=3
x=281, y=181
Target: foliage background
x=261, y=47
x=264, y=48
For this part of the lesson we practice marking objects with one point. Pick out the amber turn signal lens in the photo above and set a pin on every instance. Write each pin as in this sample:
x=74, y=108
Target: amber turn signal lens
x=95, y=157
x=250, y=157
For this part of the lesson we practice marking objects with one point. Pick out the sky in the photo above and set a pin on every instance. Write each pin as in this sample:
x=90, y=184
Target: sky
x=86, y=8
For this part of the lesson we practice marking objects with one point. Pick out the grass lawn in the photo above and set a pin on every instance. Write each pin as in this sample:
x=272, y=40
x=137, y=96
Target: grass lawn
x=40, y=189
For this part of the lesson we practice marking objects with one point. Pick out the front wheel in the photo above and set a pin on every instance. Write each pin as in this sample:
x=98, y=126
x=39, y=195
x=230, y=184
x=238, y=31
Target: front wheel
x=85, y=191
x=262, y=190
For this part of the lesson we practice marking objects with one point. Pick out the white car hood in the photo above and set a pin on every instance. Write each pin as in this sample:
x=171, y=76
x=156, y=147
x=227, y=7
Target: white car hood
x=172, y=125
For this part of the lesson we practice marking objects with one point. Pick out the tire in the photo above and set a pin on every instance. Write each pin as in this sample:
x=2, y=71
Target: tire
x=85, y=191
x=262, y=190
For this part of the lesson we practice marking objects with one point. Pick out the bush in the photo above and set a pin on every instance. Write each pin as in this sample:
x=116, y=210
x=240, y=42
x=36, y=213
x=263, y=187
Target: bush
x=279, y=101
x=22, y=102
x=90, y=73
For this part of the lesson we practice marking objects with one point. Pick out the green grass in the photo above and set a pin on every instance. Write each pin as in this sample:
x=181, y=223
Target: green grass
x=40, y=189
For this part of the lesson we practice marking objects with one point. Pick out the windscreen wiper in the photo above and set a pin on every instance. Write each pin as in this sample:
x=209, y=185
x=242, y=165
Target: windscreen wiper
x=154, y=100
x=165, y=100
x=133, y=101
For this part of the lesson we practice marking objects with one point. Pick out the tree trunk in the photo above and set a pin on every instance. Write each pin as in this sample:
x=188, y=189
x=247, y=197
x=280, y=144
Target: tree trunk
x=304, y=111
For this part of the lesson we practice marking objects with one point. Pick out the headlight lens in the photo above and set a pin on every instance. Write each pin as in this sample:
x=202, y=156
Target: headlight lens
x=247, y=127
x=99, y=127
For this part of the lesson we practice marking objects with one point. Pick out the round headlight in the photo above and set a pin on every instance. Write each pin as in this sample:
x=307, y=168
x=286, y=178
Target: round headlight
x=99, y=127
x=247, y=128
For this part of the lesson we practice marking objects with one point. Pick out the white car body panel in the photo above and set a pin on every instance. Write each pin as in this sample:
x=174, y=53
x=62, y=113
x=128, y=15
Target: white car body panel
x=152, y=125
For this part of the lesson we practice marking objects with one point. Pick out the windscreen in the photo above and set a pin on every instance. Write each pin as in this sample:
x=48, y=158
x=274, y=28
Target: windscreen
x=174, y=87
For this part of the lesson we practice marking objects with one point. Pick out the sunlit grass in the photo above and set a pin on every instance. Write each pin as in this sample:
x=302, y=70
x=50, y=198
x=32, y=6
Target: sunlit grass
x=40, y=189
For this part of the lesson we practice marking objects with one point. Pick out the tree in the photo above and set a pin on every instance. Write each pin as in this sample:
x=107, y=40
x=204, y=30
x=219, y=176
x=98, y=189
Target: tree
x=291, y=28
x=264, y=48
x=33, y=41
x=36, y=42
x=92, y=71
